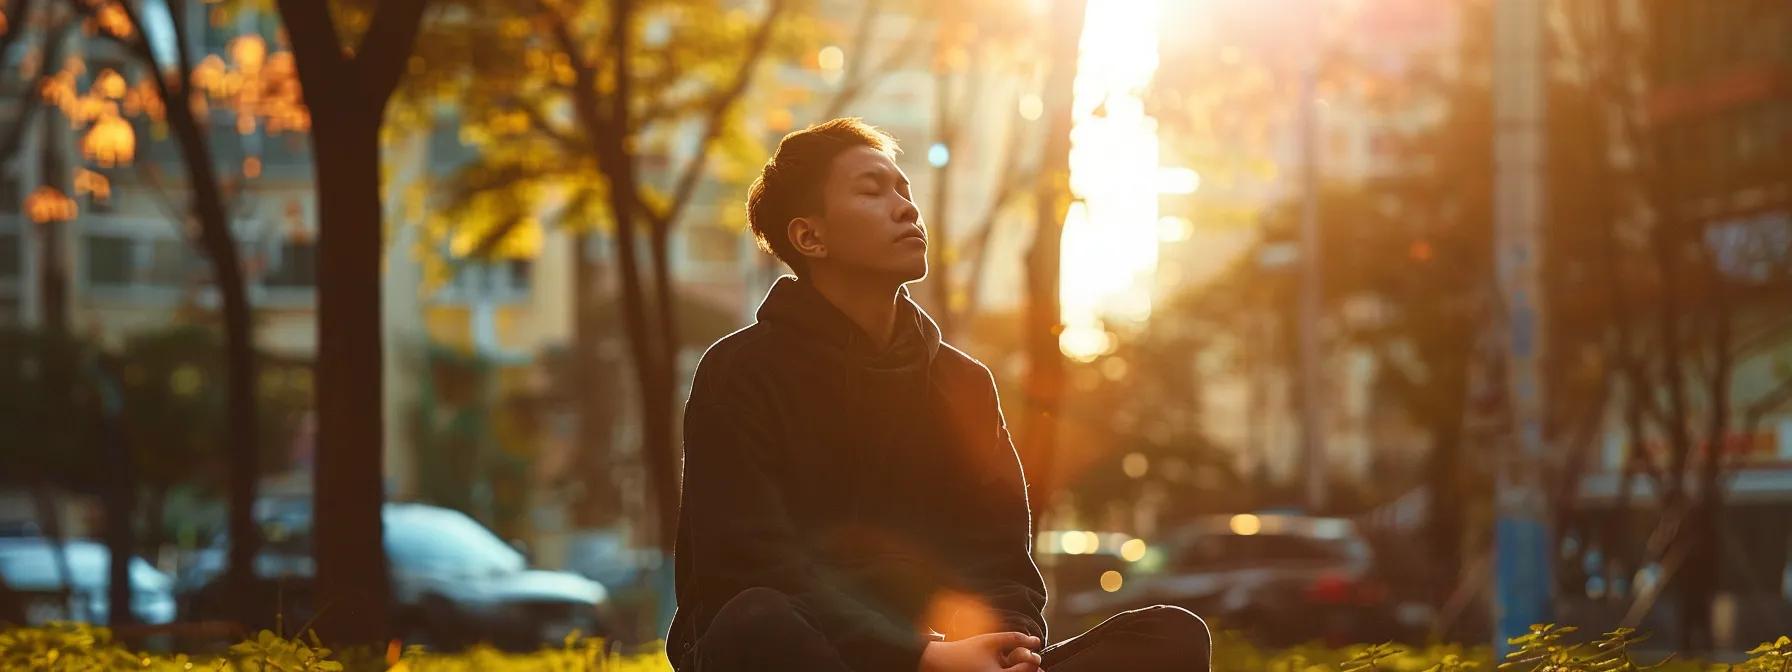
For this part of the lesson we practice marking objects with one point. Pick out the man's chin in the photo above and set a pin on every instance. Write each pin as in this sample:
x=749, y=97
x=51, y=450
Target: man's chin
x=901, y=274
x=914, y=274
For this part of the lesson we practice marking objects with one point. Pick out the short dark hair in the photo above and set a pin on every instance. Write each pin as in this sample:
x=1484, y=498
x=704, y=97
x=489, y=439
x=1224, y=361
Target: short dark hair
x=790, y=185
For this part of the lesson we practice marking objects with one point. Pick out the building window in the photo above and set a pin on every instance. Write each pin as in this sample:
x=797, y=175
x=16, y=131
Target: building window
x=10, y=266
x=171, y=263
x=296, y=266
x=493, y=280
x=10, y=202
x=446, y=151
x=520, y=271
x=109, y=260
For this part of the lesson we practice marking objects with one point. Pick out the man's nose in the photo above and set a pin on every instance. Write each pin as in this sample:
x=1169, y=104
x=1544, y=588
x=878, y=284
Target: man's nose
x=908, y=214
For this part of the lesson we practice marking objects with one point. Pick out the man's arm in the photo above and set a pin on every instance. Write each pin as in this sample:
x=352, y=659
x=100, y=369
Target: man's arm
x=741, y=537
x=993, y=541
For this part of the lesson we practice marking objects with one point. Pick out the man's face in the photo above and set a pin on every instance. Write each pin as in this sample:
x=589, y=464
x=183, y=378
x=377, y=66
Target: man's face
x=869, y=223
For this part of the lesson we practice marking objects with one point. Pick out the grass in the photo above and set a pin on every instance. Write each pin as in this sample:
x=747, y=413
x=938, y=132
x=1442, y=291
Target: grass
x=1548, y=648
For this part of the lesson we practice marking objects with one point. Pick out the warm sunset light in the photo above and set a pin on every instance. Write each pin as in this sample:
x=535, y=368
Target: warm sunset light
x=778, y=334
x=1110, y=238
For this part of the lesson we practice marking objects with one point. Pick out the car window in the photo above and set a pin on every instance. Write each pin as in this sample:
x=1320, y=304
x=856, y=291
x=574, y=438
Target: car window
x=427, y=539
x=33, y=566
x=146, y=577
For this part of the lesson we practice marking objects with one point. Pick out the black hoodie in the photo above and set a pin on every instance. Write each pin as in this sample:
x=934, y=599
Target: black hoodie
x=867, y=485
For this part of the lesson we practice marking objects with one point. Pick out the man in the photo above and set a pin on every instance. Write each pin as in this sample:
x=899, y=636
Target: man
x=852, y=500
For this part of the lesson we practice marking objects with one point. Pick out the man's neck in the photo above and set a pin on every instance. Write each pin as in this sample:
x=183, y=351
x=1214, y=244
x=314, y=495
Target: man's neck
x=869, y=304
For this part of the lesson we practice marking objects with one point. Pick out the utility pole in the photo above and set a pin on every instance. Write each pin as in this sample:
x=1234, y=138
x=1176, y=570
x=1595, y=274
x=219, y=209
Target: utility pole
x=1521, y=547
x=1312, y=417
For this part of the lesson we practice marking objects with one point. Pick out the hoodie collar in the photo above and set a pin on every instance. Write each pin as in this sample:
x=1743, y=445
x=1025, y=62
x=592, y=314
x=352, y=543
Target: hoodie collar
x=796, y=304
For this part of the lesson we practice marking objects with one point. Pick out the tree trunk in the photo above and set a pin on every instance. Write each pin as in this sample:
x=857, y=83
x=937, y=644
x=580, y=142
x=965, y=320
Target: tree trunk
x=654, y=355
x=241, y=424
x=1045, y=363
x=49, y=522
x=939, y=270
x=155, y=504
x=597, y=504
x=1617, y=527
x=118, y=496
x=661, y=436
x=352, y=586
x=53, y=272
x=240, y=435
x=654, y=362
x=1705, y=560
x=346, y=91
x=1444, y=530
x=59, y=348
x=1007, y=190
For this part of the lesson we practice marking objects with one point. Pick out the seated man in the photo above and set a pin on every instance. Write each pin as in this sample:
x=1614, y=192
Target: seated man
x=851, y=497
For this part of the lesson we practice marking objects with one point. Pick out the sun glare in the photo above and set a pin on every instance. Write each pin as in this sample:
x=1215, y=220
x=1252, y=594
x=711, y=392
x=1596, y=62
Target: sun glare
x=1110, y=238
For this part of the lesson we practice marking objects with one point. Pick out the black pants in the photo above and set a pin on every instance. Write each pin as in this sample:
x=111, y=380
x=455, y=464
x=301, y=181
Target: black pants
x=763, y=629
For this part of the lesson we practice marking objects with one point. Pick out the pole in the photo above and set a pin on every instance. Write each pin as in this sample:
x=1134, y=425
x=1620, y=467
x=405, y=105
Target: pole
x=1312, y=423
x=1521, y=547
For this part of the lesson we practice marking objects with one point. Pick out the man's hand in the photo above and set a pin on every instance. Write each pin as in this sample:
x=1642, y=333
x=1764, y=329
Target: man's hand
x=1004, y=651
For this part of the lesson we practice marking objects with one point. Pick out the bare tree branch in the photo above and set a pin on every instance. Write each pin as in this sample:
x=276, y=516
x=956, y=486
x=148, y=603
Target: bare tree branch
x=1013, y=182
x=538, y=120
x=856, y=84
x=15, y=136
x=718, y=112
x=177, y=15
x=869, y=14
x=1772, y=399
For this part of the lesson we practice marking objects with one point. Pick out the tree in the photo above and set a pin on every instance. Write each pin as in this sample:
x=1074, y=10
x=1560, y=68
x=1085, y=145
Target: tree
x=1691, y=292
x=1407, y=251
x=177, y=95
x=1135, y=435
x=347, y=91
x=1423, y=247
x=173, y=391
x=53, y=417
x=50, y=357
x=109, y=140
x=974, y=43
x=859, y=72
x=1044, y=386
x=593, y=110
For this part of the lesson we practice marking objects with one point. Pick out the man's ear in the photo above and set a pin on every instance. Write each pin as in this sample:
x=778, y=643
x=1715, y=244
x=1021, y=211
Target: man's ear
x=805, y=237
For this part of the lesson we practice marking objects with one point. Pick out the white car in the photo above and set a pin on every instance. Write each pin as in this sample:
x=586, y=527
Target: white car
x=29, y=566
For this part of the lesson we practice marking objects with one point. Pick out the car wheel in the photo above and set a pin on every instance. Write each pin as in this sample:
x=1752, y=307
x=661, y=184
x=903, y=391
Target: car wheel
x=431, y=623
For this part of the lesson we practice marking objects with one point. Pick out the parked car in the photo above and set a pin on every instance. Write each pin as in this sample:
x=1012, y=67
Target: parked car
x=1075, y=561
x=454, y=583
x=1281, y=579
x=30, y=569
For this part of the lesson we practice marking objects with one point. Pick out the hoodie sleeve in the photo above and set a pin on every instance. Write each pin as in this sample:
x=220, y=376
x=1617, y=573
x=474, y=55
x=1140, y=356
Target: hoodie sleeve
x=994, y=542
x=741, y=537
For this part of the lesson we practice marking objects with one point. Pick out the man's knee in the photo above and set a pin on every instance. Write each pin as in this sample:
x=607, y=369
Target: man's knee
x=1191, y=635
x=757, y=610
x=763, y=629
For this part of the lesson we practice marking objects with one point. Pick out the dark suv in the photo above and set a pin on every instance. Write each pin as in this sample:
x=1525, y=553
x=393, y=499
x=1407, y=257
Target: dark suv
x=1281, y=579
